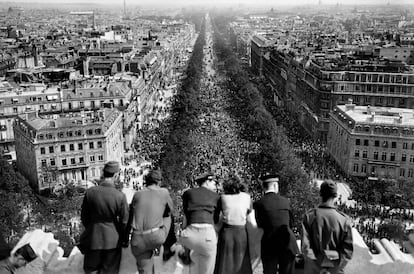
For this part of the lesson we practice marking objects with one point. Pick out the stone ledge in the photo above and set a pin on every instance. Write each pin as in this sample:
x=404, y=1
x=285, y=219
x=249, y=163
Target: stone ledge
x=51, y=261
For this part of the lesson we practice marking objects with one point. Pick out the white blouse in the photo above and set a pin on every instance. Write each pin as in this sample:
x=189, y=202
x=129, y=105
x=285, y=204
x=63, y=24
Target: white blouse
x=235, y=208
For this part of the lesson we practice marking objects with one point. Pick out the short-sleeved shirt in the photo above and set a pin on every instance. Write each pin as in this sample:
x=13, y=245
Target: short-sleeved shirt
x=235, y=208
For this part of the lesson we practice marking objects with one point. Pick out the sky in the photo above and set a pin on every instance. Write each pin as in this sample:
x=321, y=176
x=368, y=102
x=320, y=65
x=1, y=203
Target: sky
x=234, y=2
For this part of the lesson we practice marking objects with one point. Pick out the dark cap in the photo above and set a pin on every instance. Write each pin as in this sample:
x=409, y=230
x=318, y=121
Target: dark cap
x=154, y=175
x=203, y=177
x=329, y=189
x=111, y=167
x=269, y=178
x=26, y=252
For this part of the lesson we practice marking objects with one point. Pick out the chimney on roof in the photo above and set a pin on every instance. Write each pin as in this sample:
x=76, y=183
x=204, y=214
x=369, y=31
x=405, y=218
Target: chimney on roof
x=372, y=118
x=349, y=105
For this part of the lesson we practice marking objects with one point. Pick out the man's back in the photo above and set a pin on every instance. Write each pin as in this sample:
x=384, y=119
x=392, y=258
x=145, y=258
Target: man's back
x=149, y=207
x=105, y=214
x=272, y=211
x=328, y=229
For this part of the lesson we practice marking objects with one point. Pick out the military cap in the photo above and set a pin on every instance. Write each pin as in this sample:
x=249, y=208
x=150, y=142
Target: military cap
x=203, y=177
x=269, y=178
x=111, y=167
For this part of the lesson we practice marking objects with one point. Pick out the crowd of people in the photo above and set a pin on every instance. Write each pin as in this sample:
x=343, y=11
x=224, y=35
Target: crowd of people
x=377, y=222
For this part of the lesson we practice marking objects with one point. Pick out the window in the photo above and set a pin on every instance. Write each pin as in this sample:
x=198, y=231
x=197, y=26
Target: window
x=376, y=143
x=357, y=142
x=402, y=172
x=61, y=135
x=394, y=145
x=100, y=157
x=410, y=172
x=71, y=147
x=403, y=157
x=72, y=161
x=392, y=157
x=366, y=143
x=356, y=153
x=64, y=163
x=70, y=133
x=42, y=150
x=384, y=156
x=376, y=155
x=356, y=167
x=81, y=160
x=44, y=163
x=385, y=144
x=99, y=144
x=52, y=162
x=405, y=145
x=80, y=146
x=81, y=105
x=364, y=168
x=41, y=137
x=412, y=146
x=89, y=132
x=92, y=158
x=93, y=171
x=365, y=154
x=51, y=149
x=411, y=158
x=91, y=145
x=62, y=148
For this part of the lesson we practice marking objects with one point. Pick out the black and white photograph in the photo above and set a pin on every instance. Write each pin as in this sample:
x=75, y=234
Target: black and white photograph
x=206, y=137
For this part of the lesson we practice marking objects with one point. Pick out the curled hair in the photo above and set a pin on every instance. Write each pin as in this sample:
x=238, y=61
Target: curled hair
x=231, y=186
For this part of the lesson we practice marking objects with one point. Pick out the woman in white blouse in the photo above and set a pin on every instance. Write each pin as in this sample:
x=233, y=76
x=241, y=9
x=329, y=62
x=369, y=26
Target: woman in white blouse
x=232, y=250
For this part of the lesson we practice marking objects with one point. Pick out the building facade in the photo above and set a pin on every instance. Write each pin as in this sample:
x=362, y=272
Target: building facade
x=58, y=149
x=376, y=142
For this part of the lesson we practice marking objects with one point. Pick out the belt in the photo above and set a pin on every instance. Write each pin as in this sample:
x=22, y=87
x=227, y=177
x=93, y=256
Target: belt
x=147, y=231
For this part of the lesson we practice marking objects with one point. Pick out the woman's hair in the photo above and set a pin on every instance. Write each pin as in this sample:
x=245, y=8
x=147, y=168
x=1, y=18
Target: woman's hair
x=231, y=186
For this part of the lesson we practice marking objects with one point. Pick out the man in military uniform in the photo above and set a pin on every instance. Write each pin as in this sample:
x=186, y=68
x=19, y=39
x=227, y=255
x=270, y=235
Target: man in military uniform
x=273, y=214
x=326, y=235
x=105, y=215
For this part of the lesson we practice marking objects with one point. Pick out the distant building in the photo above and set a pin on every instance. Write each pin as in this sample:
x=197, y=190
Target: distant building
x=311, y=87
x=369, y=141
x=67, y=148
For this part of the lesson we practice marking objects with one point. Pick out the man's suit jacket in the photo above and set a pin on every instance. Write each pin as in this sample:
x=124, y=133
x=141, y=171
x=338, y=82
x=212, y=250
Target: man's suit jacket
x=273, y=215
x=104, y=215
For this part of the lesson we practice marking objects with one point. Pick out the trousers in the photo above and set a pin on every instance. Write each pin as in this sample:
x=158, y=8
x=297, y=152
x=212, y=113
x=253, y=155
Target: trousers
x=103, y=261
x=142, y=247
x=202, y=241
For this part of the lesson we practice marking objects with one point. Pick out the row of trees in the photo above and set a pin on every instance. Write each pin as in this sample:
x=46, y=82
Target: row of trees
x=275, y=155
x=22, y=209
x=175, y=158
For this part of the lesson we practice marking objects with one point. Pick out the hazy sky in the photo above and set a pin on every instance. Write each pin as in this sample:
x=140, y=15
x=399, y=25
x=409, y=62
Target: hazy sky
x=274, y=3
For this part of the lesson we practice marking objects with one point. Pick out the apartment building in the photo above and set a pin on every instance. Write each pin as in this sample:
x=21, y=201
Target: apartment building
x=54, y=149
x=311, y=87
x=82, y=95
x=369, y=141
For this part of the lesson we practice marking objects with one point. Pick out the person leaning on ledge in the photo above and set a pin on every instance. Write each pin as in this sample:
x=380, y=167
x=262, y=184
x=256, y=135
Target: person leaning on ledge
x=200, y=206
x=150, y=220
x=104, y=215
x=20, y=258
x=326, y=235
